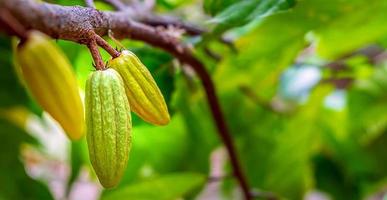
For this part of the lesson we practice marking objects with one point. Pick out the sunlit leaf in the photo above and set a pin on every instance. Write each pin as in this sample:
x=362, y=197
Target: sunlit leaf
x=361, y=24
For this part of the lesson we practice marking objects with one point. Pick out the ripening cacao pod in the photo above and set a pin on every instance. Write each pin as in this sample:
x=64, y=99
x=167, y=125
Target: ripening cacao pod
x=142, y=91
x=108, y=123
x=49, y=77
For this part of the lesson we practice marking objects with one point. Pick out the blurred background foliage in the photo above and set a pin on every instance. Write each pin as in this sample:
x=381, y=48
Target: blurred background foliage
x=304, y=92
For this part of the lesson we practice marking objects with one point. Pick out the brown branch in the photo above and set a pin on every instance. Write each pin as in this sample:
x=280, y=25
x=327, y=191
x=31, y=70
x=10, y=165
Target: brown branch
x=75, y=24
x=155, y=20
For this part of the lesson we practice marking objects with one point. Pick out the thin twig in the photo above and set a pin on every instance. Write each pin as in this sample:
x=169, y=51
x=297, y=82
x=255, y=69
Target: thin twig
x=212, y=54
x=256, y=99
x=230, y=43
x=102, y=43
x=90, y=3
x=119, y=5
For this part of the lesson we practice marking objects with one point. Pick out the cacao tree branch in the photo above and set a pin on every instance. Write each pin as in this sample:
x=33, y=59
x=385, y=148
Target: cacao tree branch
x=155, y=20
x=166, y=21
x=76, y=24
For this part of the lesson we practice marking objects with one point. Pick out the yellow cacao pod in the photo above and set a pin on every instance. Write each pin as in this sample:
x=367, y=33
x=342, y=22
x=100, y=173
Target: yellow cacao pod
x=109, y=126
x=49, y=77
x=142, y=91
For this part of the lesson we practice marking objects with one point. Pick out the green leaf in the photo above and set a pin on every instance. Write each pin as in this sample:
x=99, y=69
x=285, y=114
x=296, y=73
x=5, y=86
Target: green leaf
x=167, y=187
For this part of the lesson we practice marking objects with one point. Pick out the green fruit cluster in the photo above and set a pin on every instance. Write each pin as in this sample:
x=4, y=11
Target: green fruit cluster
x=111, y=94
x=124, y=85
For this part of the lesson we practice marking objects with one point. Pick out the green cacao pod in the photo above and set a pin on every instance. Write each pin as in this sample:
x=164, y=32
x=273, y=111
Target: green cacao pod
x=108, y=123
x=49, y=77
x=142, y=91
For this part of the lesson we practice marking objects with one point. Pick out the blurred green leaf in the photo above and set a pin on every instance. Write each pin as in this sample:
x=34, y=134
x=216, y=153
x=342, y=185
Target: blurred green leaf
x=70, y=49
x=79, y=158
x=83, y=66
x=11, y=91
x=167, y=187
x=215, y=6
x=265, y=149
x=367, y=106
x=14, y=182
x=199, y=126
x=275, y=43
x=242, y=12
x=331, y=178
x=376, y=151
x=261, y=59
x=361, y=24
x=68, y=3
x=172, y=4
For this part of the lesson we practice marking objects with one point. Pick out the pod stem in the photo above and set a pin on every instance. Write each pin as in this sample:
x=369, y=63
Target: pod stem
x=98, y=62
x=105, y=45
x=12, y=25
x=118, y=43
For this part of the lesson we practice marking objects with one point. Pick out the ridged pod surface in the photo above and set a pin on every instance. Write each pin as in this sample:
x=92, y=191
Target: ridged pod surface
x=109, y=126
x=144, y=96
x=49, y=77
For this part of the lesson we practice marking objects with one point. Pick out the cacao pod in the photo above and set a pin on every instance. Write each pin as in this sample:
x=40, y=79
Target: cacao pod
x=142, y=91
x=49, y=77
x=108, y=123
